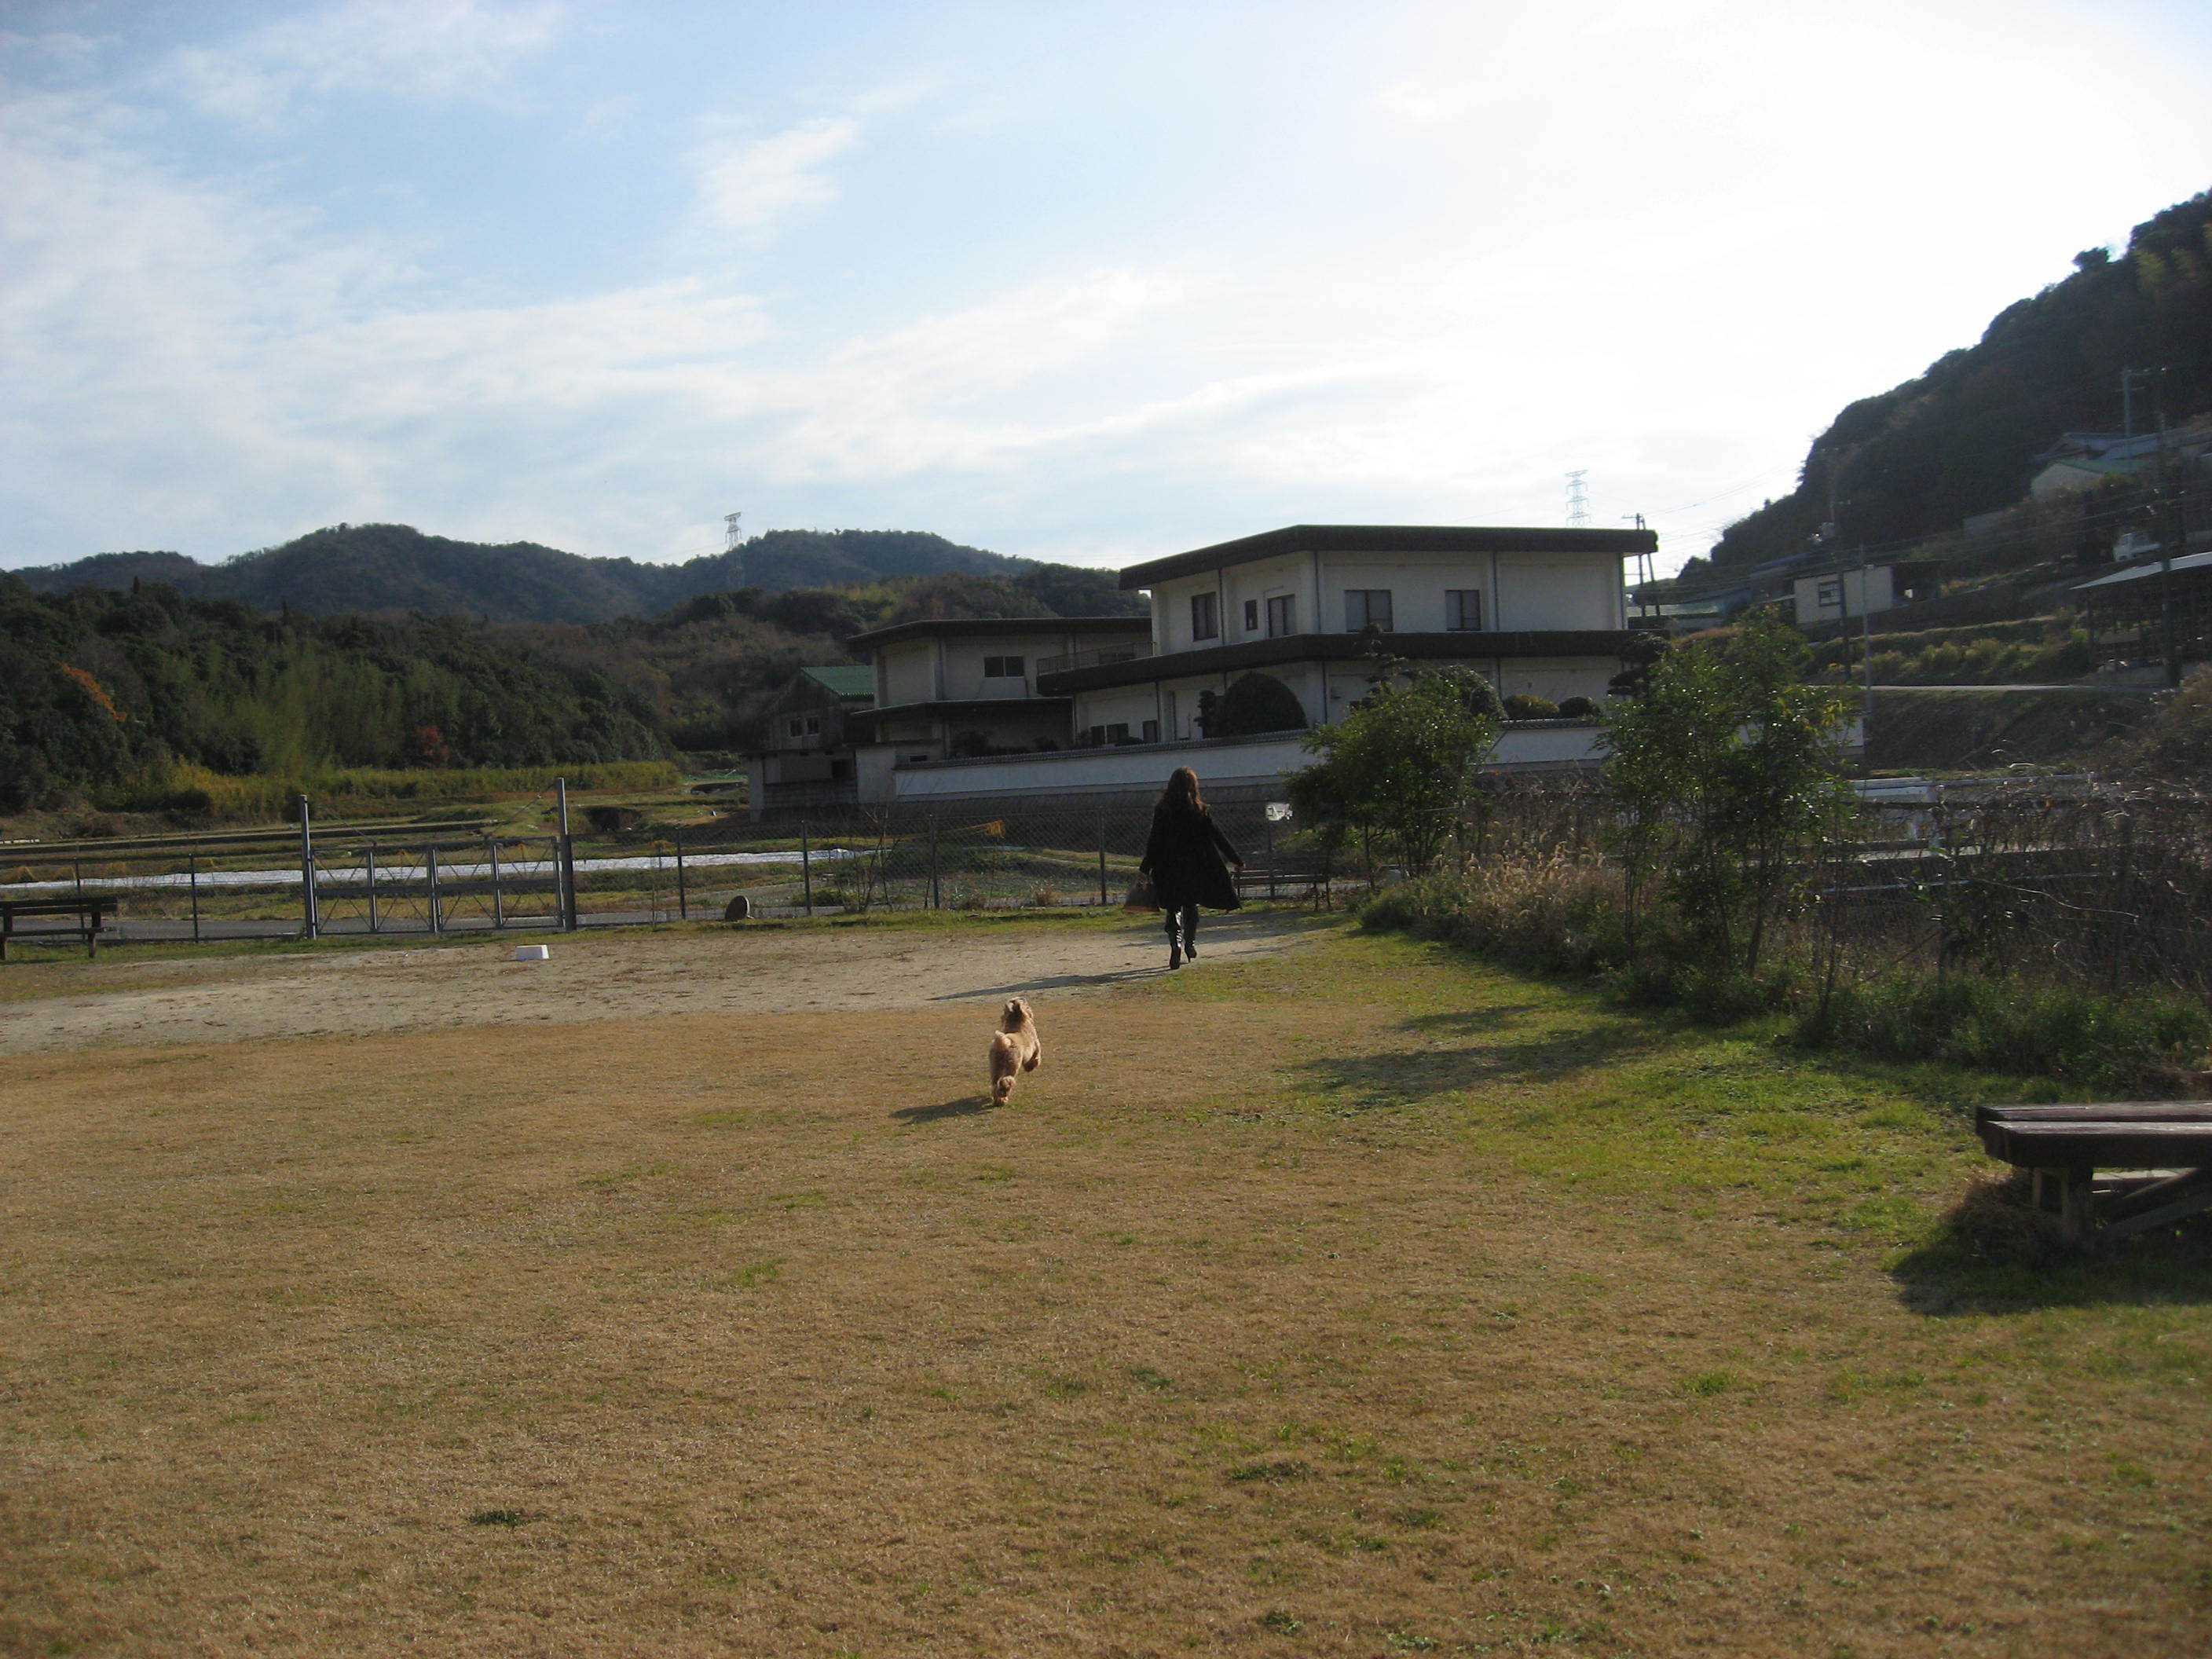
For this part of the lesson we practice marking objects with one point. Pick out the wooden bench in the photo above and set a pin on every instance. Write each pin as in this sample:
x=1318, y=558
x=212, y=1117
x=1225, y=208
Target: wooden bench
x=85, y=917
x=2064, y=1146
x=1267, y=878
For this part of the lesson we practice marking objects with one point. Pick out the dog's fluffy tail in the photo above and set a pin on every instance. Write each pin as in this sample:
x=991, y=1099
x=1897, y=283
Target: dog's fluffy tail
x=1003, y=1064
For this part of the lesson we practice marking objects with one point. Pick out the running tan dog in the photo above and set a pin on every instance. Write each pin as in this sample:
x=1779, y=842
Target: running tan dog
x=1014, y=1048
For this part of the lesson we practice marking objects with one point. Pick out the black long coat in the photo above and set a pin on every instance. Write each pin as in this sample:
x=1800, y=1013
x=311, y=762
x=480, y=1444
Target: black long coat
x=1188, y=858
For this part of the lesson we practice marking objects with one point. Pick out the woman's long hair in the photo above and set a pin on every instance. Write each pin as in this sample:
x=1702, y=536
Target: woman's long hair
x=1182, y=793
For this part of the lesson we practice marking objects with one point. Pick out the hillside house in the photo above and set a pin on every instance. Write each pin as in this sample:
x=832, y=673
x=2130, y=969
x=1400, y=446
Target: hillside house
x=1849, y=592
x=968, y=688
x=807, y=758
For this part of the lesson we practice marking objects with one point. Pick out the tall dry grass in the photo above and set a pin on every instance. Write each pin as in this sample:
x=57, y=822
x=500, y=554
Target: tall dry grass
x=183, y=786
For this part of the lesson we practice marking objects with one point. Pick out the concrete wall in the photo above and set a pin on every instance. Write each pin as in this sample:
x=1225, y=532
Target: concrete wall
x=1858, y=593
x=1230, y=764
x=906, y=673
x=1519, y=590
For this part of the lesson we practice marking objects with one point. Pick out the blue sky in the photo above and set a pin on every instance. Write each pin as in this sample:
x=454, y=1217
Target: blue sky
x=1083, y=283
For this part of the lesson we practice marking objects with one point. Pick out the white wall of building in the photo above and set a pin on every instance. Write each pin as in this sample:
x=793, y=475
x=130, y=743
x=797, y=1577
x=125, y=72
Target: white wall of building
x=1262, y=761
x=1519, y=591
x=1844, y=594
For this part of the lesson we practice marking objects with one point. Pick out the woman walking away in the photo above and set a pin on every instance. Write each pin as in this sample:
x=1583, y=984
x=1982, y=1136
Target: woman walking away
x=1184, y=856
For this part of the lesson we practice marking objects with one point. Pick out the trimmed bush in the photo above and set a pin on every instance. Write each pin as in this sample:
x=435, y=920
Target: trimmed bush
x=1254, y=704
x=1528, y=706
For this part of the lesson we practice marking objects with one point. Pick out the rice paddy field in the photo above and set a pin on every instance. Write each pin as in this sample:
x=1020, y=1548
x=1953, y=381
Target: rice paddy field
x=1336, y=1295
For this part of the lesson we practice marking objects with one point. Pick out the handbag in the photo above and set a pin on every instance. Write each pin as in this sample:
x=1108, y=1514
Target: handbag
x=1141, y=896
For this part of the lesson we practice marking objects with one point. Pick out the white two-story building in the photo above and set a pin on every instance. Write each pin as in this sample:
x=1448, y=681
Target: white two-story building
x=968, y=688
x=1540, y=612
x=1095, y=705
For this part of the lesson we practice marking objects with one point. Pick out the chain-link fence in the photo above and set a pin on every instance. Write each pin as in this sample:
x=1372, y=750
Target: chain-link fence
x=457, y=878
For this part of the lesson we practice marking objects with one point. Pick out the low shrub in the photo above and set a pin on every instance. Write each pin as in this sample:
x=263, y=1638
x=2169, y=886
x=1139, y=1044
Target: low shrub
x=1563, y=914
x=2012, y=1024
x=1556, y=913
x=1528, y=706
x=1578, y=709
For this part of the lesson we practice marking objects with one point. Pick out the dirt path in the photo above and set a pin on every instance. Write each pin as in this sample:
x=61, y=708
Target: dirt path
x=607, y=977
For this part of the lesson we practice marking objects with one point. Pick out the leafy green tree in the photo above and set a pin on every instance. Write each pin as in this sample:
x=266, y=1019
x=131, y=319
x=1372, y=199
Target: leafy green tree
x=1728, y=768
x=1397, y=769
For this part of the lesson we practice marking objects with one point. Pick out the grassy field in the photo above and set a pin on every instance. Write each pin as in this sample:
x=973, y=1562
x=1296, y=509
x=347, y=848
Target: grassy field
x=1356, y=1300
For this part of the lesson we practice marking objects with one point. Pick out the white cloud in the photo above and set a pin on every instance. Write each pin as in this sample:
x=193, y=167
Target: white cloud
x=746, y=185
x=434, y=49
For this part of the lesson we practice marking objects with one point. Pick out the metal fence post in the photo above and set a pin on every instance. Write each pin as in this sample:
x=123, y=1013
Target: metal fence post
x=682, y=893
x=934, y=901
x=430, y=869
x=368, y=869
x=1269, y=819
x=311, y=922
x=564, y=857
x=498, y=908
x=196, y=898
x=805, y=868
x=1102, y=899
x=77, y=874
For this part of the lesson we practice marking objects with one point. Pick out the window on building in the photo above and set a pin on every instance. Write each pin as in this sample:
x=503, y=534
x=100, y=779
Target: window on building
x=1366, y=607
x=1830, y=593
x=814, y=726
x=798, y=728
x=1282, y=615
x=1463, y=610
x=1151, y=731
x=1251, y=615
x=1206, y=615
x=1118, y=731
x=1003, y=668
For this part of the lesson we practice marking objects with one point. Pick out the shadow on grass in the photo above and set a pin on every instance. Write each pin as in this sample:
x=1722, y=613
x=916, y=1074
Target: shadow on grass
x=1217, y=932
x=1402, y=1077
x=966, y=1106
x=1993, y=1254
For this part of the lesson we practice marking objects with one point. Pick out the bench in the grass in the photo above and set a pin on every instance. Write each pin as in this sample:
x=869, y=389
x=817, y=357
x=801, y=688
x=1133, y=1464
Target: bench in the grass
x=86, y=917
x=2064, y=1146
x=1283, y=875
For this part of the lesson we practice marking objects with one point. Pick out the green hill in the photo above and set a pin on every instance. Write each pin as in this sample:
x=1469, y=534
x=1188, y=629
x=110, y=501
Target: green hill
x=383, y=568
x=1962, y=438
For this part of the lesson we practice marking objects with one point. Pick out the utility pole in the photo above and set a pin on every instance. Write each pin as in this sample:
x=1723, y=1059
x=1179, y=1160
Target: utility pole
x=2165, y=540
x=1644, y=558
x=1866, y=638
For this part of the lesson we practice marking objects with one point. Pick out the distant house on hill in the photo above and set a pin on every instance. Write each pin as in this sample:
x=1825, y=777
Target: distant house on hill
x=1848, y=591
x=965, y=688
x=807, y=759
x=2080, y=460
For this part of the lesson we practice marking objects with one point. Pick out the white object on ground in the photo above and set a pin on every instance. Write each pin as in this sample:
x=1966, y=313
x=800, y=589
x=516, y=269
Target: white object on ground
x=532, y=952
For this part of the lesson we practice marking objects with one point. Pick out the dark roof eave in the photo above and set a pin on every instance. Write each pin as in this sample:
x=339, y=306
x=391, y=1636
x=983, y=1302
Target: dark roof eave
x=1337, y=648
x=898, y=632
x=1052, y=703
x=1388, y=538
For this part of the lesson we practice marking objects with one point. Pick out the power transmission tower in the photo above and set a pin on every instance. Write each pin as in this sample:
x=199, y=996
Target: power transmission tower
x=732, y=537
x=1578, y=499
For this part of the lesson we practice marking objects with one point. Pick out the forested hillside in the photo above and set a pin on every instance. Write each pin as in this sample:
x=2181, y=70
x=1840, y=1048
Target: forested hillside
x=104, y=690
x=1962, y=438
x=394, y=567
x=98, y=689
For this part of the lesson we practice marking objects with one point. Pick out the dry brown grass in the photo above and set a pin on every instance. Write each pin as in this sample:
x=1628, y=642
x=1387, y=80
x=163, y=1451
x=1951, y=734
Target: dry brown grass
x=1314, y=1306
